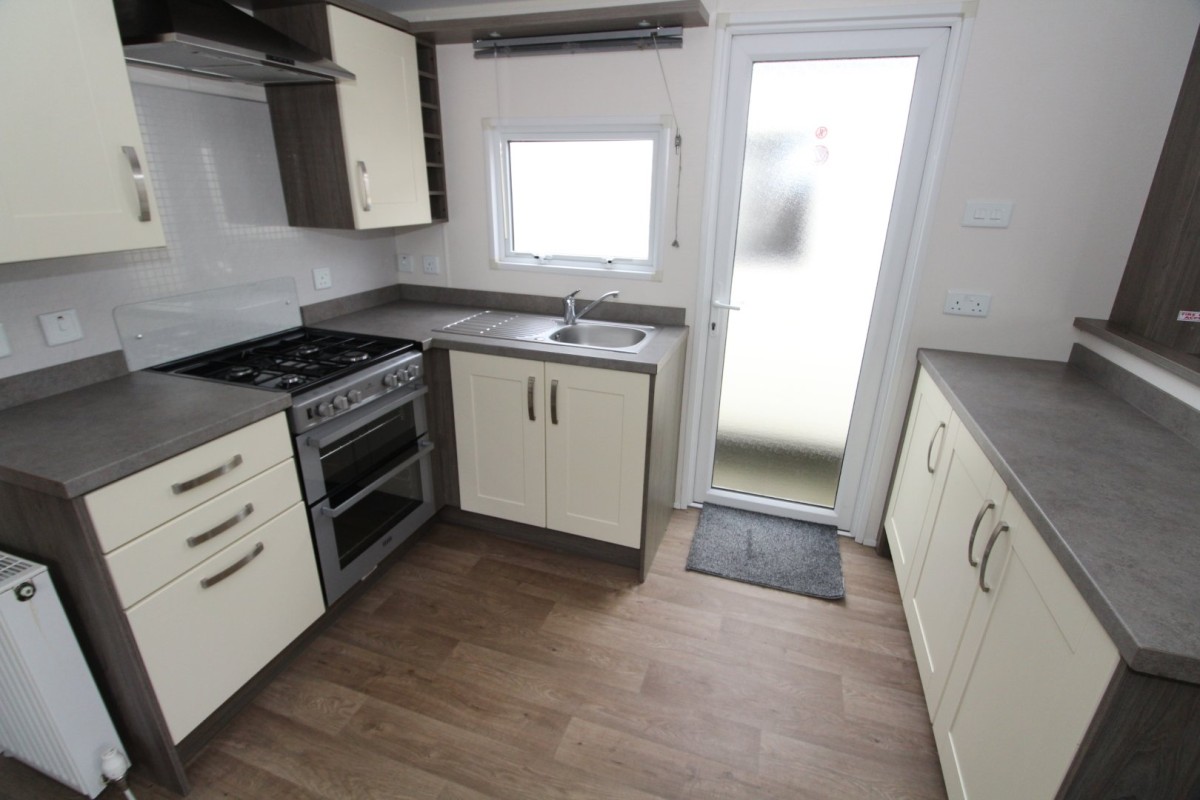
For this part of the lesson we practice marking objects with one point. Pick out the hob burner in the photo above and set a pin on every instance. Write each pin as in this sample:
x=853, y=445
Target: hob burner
x=291, y=381
x=352, y=357
x=241, y=373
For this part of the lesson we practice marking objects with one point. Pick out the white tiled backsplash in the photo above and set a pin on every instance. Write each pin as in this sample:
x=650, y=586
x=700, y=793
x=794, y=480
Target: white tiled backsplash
x=212, y=160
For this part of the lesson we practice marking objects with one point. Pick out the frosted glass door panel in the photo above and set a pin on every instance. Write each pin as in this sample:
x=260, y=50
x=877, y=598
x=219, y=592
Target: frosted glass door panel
x=823, y=146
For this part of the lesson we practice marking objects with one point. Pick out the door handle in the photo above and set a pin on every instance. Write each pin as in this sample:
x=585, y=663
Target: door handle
x=554, y=402
x=529, y=398
x=730, y=306
x=365, y=179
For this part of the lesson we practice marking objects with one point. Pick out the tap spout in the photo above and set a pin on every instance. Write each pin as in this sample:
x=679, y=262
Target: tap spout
x=570, y=316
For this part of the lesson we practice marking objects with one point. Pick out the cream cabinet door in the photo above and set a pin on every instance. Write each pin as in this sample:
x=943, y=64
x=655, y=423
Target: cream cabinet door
x=596, y=452
x=209, y=631
x=938, y=598
x=381, y=121
x=72, y=165
x=1031, y=671
x=921, y=462
x=500, y=425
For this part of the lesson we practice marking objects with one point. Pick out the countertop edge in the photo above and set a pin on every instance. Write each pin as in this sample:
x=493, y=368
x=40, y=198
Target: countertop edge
x=1136, y=655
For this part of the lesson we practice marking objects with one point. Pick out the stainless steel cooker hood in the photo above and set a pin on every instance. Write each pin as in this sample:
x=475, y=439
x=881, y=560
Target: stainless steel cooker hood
x=213, y=39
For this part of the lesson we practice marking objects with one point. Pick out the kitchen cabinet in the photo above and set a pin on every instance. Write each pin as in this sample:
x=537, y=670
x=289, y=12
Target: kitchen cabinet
x=1013, y=662
x=211, y=555
x=941, y=590
x=1032, y=668
x=73, y=171
x=920, y=468
x=351, y=154
x=552, y=445
x=185, y=575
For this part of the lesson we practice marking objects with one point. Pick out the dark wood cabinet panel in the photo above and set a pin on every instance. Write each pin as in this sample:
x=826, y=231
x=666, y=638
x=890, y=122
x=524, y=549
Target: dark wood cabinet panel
x=1162, y=276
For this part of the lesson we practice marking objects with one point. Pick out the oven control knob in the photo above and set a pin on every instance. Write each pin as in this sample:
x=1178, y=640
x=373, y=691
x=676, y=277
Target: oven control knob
x=325, y=410
x=410, y=373
x=354, y=396
x=341, y=402
x=391, y=380
x=414, y=371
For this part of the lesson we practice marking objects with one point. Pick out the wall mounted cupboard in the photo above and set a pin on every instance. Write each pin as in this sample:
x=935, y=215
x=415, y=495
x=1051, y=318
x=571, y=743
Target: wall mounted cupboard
x=73, y=174
x=351, y=154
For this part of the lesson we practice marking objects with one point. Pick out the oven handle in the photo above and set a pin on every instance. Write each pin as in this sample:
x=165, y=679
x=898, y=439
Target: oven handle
x=375, y=410
x=423, y=450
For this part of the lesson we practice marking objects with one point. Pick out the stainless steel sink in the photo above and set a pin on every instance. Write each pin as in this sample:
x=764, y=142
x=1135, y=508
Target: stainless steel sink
x=599, y=334
x=612, y=336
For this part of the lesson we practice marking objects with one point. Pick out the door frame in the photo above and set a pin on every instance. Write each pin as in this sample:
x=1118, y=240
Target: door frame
x=866, y=510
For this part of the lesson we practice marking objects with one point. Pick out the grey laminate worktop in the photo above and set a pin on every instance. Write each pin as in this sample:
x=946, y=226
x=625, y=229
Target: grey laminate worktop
x=1115, y=495
x=419, y=320
x=71, y=443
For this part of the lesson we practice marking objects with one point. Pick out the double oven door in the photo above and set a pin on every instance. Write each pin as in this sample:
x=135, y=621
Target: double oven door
x=368, y=482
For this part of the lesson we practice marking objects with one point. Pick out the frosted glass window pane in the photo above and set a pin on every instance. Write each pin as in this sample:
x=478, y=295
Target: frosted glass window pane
x=582, y=198
x=823, y=148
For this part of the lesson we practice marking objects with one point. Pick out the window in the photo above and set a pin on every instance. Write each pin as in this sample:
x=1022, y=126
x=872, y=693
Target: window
x=578, y=196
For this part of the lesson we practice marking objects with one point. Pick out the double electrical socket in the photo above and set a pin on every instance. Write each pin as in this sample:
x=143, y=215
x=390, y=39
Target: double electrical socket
x=968, y=304
x=430, y=265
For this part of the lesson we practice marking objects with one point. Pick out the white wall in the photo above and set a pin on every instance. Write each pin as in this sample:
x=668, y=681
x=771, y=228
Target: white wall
x=1063, y=108
x=212, y=160
x=587, y=85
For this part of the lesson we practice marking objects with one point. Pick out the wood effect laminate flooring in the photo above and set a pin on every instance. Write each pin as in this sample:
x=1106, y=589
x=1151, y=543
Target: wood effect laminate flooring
x=482, y=668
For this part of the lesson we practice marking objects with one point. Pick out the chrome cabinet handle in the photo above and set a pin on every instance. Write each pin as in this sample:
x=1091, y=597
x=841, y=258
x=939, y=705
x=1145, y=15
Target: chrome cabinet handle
x=139, y=183
x=212, y=474
x=529, y=398
x=201, y=538
x=554, y=402
x=986, y=507
x=232, y=568
x=1000, y=528
x=929, y=453
x=365, y=179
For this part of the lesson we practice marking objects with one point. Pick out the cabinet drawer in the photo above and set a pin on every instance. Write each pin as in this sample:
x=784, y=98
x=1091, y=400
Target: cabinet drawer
x=131, y=506
x=146, y=563
x=201, y=644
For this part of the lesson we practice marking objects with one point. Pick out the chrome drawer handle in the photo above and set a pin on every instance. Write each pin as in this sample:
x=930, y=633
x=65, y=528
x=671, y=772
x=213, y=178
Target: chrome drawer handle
x=211, y=475
x=529, y=399
x=929, y=454
x=554, y=402
x=201, y=538
x=232, y=568
x=139, y=183
x=365, y=179
x=1000, y=528
x=987, y=506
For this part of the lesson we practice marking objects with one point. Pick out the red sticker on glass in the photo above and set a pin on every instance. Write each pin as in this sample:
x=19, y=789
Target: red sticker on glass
x=1189, y=316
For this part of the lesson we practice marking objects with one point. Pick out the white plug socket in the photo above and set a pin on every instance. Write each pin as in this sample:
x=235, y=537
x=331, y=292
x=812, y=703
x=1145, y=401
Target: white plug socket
x=968, y=304
x=432, y=264
x=323, y=278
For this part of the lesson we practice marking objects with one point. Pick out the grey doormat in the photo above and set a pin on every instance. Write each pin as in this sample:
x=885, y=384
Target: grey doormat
x=800, y=557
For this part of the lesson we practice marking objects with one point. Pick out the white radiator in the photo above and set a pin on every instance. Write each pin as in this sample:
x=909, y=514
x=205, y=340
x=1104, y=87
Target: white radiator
x=51, y=714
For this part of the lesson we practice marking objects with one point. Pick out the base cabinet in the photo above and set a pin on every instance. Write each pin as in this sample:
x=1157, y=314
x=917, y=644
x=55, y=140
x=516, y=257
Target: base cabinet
x=921, y=468
x=552, y=445
x=1013, y=663
x=1032, y=668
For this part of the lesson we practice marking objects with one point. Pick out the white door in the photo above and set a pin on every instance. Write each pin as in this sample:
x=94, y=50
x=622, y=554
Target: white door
x=824, y=150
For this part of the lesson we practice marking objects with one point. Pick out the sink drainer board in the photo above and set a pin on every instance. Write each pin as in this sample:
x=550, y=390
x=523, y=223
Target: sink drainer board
x=503, y=325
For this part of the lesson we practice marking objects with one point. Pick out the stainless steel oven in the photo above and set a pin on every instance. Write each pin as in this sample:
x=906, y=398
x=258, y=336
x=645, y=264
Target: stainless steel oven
x=367, y=479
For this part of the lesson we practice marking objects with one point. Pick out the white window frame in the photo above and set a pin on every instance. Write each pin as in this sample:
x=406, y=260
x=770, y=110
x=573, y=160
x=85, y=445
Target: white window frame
x=499, y=132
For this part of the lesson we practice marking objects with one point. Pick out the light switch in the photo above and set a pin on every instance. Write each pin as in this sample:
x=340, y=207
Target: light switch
x=988, y=214
x=60, y=327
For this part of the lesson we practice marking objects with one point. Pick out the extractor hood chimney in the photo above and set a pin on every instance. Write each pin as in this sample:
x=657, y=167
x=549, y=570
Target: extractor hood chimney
x=213, y=39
